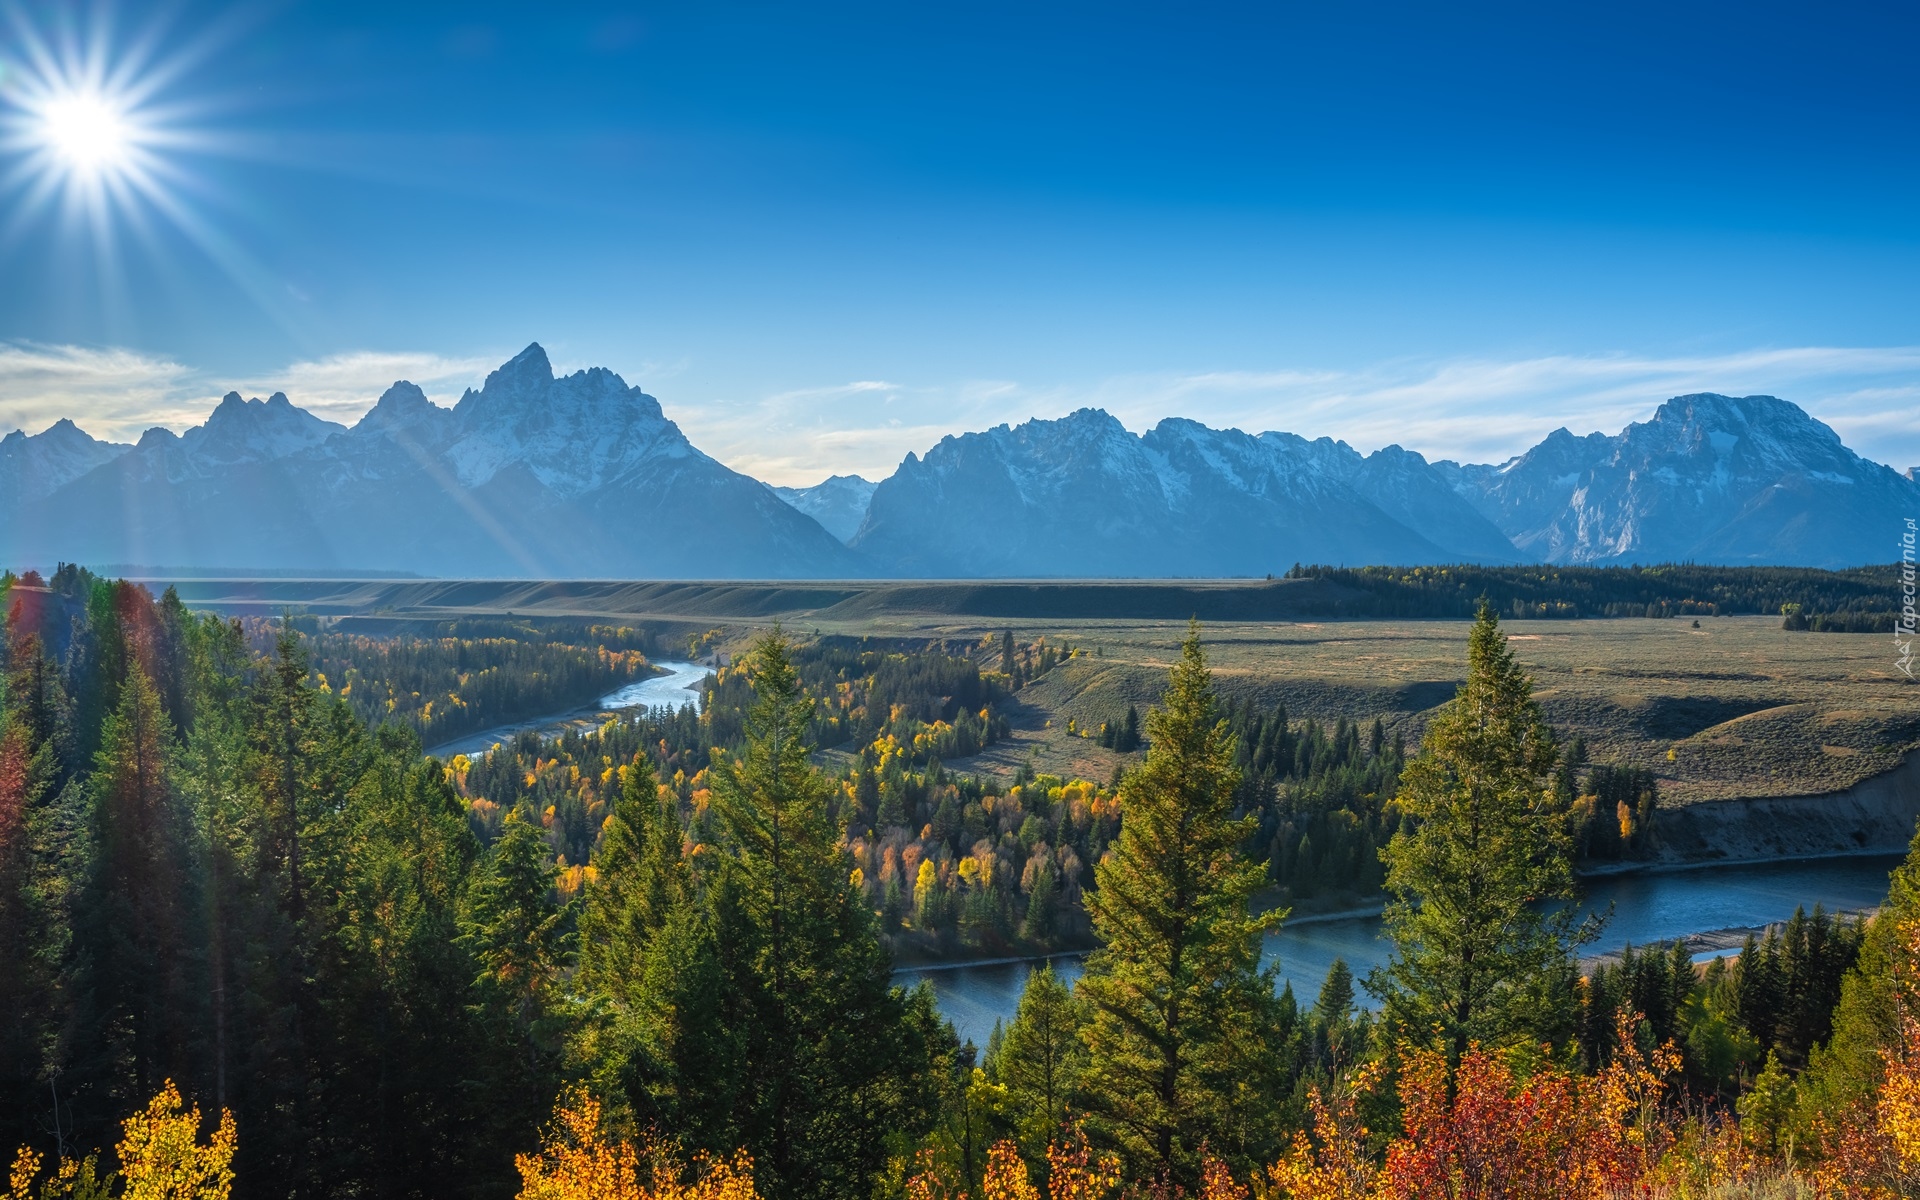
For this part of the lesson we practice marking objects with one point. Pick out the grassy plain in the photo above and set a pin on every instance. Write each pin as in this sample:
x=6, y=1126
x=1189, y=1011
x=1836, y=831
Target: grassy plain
x=1735, y=707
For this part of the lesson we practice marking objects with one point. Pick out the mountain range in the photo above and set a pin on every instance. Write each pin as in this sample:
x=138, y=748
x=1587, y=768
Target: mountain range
x=534, y=475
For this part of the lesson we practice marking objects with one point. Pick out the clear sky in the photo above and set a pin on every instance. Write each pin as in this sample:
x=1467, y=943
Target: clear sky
x=826, y=234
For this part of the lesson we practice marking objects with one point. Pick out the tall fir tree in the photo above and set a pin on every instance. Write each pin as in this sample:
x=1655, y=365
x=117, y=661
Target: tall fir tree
x=650, y=972
x=33, y=903
x=1184, y=1037
x=144, y=949
x=1040, y=1058
x=1479, y=956
x=807, y=979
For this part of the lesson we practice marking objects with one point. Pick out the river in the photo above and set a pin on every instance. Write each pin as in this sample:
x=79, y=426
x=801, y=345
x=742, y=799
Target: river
x=1655, y=906
x=680, y=686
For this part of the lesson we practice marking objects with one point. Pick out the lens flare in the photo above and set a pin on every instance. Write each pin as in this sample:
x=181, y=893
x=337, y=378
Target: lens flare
x=88, y=133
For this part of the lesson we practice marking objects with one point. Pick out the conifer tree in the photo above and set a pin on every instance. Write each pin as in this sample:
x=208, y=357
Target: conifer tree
x=648, y=957
x=1184, y=1031
x=33, y=916
x=139, y=907
x=807, y=980
x=1476, y=956
x=1336, y=994
x=1040, y=1057
x=516, y=937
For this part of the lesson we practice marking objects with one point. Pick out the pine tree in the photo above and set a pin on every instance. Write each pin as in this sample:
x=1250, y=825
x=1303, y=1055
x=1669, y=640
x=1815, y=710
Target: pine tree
x=139, y=908
x=1476, y=956
x=648, y=959
x=1040, y=1057
x=33, y=912
x=1183, y=1031
x=1336, y=994
x=517, y=939
x=807, y=980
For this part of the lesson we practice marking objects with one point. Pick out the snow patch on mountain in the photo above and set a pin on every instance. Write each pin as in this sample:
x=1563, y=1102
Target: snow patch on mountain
x=838, y=502
x=574, y=434
x=34, y=465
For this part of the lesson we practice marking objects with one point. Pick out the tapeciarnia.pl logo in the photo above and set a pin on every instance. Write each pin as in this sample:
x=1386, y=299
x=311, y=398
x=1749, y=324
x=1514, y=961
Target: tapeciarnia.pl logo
x=1903, y=627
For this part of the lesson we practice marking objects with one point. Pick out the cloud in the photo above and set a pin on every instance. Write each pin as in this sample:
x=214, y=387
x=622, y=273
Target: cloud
x=1469, y=409
x=113, y=394
x=341, y=387
x=117, y=394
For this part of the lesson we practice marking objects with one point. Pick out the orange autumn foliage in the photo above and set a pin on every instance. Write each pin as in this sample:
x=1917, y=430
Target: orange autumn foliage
x=1330, y=1162
x=1482, y=1133
x=579, y=1162
x=1875, y=1153
x=1074, y=1172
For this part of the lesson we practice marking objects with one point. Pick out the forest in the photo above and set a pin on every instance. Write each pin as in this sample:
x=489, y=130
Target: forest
x=470, y=677
x=260, y=946
x=1860, y=599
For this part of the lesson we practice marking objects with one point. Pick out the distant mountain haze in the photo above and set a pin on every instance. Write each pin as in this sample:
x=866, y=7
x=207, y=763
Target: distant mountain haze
x=1712, y=479
x=582, y=476
x=529, y=476
x=838, y=502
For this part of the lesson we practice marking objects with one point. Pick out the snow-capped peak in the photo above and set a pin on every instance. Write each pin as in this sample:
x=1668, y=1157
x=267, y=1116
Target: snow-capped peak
x=573, y=433
x=254, y=431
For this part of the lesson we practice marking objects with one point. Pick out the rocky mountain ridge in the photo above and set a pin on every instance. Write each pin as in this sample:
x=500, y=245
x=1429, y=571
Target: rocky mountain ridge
x=533, y=475
x=530, y=475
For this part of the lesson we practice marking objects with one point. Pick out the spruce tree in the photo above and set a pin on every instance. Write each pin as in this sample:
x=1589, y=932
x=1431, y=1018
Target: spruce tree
x=1477, y=958
x=650, y=970
x=807, y=980
x=139, y=910
x=1039, y=1057
x=1336, y=994
x=1184, y=1024
x=33, y=915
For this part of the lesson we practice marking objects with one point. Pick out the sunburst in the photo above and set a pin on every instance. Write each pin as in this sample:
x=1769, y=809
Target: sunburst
x=96, y=133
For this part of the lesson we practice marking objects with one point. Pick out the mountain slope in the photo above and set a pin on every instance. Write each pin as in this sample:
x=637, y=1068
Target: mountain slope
x=1083, y=496
x=1710, y=479
x=33, y=466
x=838, y=502
x=531, y=475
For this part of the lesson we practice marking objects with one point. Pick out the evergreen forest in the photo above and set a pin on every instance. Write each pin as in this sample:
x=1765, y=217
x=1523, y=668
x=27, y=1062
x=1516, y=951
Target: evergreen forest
x=257, y=943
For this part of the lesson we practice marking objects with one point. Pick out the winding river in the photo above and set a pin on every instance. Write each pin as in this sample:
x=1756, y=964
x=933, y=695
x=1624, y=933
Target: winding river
x=1647, y=907
x=678, y=687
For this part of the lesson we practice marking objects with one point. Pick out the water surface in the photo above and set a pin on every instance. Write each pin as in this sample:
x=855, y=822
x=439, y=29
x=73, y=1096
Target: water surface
x=678, y=687
x=1647, y=907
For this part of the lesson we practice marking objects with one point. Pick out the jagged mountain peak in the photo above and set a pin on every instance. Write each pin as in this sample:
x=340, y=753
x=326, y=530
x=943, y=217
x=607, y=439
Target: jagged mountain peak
x=838, y=502
x=529, y=476
x=255, y=430
x=1707, y=477
x=404, y=414
x=33, y=465
x=529, y=368
x=573, y=433
x=1763, y=432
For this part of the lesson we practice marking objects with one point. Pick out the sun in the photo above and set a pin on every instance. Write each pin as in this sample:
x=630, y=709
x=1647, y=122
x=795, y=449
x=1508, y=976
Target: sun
x=88, y=133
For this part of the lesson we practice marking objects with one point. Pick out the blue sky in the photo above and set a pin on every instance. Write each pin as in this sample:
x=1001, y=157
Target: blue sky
x=825, y=235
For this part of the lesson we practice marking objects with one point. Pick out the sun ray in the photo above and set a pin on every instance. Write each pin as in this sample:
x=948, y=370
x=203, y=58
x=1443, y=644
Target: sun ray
x=100, y=146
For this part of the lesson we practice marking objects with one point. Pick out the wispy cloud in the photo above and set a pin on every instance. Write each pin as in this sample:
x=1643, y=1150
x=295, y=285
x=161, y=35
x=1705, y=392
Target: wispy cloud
x=111, y=393
x=340, y=387
x=117, y=394
x=1470, y=409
